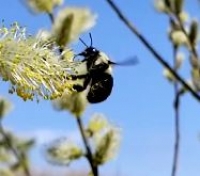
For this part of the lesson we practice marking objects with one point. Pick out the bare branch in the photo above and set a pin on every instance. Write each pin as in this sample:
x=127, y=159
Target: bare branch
x=151, y=49
x=19, y=156
x=87, y=147
x=176, y=118
x=51, y=17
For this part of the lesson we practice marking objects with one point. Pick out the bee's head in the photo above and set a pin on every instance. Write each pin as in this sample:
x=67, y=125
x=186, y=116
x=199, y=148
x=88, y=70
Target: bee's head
x=89, y=52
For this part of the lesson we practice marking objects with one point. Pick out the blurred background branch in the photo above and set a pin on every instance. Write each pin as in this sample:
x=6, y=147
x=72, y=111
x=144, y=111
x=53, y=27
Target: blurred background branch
x=176, y=117
x=151, y=48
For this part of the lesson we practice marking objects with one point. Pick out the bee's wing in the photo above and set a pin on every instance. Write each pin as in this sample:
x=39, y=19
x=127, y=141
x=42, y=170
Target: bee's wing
x=128, y=62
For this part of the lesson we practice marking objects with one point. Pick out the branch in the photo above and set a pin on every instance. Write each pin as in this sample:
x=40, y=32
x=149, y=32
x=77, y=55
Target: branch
x=193, y=49
x=150, y=48
x=177, y=94
x=80, y=124
x=18, y=155
x=177, y=135
x=51, y=17
x=87, y=147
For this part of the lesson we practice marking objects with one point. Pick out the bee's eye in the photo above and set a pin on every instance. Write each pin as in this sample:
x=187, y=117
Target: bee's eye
x=91, y=50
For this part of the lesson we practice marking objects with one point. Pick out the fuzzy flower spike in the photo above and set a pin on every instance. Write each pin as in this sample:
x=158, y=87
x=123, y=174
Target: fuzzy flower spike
x=31, y=65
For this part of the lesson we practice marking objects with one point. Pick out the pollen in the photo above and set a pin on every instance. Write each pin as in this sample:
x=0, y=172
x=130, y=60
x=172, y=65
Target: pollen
x=30, y=66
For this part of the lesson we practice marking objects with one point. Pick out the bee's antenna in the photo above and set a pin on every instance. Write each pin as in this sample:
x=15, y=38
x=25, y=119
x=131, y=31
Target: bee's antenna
x=83, y=42
x=91, y=42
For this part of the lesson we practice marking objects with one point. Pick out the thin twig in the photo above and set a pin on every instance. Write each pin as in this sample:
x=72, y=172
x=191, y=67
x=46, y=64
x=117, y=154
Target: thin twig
x=80, y=125
x=176, y=118
x=19, y=156
x=87, y=147
x=150, y=48
x=51, y=17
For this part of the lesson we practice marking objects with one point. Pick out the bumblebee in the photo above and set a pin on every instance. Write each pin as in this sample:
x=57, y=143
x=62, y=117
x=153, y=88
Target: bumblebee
x=97, y=76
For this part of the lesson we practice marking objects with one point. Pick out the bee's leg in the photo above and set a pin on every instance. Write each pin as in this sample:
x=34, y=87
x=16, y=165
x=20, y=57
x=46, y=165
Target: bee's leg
x=80, y=88
x=75, y=77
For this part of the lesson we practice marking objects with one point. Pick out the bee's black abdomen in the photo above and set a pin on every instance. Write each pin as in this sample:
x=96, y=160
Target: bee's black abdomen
x=101, y=88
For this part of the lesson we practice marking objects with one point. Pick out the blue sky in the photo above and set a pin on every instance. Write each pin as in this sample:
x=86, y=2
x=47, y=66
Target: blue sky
x=141, y=101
